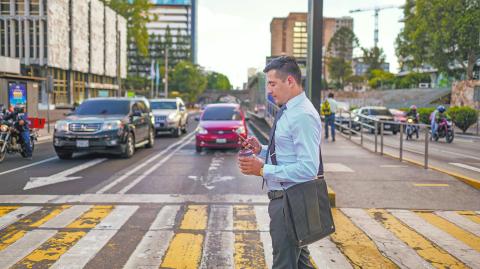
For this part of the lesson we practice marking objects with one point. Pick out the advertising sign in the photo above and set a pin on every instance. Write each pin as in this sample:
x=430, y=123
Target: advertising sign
x=17, y=94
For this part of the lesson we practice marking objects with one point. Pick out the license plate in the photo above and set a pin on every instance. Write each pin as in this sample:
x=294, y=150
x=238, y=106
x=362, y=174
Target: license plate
x=82, y=143
x=221, y=140
x=387, y=126
x=157, y=125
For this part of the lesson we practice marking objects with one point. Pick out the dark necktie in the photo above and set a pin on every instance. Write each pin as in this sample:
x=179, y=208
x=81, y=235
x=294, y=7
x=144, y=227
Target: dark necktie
x=271, y=145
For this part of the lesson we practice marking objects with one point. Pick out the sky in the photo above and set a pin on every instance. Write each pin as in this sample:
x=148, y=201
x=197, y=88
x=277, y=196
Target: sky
x=235, y=35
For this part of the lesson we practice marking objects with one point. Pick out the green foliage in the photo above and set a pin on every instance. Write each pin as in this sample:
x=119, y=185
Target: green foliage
x=411, y=80
x=134, y=13
x=340, y=50
x=374, y=58
x=380, y=79
x=463, y=117
x=218, y=81
x=425, y=114
x=136, y=83
x=339, y=70
x=440, y=33
x=188, y=79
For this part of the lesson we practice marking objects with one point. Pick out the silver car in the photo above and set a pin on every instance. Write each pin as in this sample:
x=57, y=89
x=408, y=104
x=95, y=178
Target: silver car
x=170, y=116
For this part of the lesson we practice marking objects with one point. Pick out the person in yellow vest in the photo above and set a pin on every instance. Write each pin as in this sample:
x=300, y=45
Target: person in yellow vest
x=328, y=110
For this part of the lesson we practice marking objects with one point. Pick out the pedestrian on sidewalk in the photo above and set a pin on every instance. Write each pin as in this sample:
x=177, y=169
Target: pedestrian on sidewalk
x=328, y=110
x=292, y=156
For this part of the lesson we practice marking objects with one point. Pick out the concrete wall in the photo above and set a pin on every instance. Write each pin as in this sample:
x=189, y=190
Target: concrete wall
x=80, y=42
x=122, y=28
x=463, y=93
x=97, y=40
x=110, y=42
x=58, y=34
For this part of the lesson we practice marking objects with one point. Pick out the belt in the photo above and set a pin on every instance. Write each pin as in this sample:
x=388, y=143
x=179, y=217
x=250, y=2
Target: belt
x=272, y=195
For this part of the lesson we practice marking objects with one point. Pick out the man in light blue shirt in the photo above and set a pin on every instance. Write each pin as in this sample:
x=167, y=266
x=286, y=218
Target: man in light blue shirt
x=292, y=157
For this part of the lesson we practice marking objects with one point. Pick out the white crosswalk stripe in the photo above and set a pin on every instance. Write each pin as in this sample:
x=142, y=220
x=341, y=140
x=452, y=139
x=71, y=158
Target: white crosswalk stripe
x=66, y=217
x=263, y=221
x=460, y=221
x=219, y=242
x=85, y=249
x=325, y=254
x=458, y=249
x=16, y=215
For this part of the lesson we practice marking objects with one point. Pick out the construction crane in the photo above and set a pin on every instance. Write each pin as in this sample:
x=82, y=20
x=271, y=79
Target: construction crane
x=376, y=10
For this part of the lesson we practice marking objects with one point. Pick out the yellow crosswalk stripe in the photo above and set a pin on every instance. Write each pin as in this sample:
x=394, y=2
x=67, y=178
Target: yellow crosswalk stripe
x=425, y=249
x=248, y=245
x=53, y=248
x=195, y=218
x=360, y=250
x=471, y=215
x=185, y=250
x=450, y=228
x=4, y=210
x=17, y=230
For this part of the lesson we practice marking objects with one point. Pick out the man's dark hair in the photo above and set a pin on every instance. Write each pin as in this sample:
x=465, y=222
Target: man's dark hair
x=330, y=95
x=285, y=66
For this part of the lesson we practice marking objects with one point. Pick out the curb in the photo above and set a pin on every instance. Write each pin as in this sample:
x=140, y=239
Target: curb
x=331, y=193
x=467, y=180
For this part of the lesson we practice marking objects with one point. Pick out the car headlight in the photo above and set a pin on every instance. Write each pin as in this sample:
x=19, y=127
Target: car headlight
x=356, y=118
x=241, y=130
x=201, y=130
x=4, y=128
x=61, y=126
x=171, y=117
x=112, y=125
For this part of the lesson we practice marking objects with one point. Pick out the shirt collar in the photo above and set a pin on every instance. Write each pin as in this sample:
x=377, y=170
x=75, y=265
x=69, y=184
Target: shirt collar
x=296, y=100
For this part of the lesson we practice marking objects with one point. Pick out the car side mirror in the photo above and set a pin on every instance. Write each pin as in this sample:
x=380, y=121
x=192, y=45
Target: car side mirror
x=182, y=108
x=197, y=118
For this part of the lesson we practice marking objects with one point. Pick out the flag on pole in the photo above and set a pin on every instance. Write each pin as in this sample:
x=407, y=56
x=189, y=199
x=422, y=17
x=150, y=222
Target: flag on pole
x=152, y=70
x=157, y=75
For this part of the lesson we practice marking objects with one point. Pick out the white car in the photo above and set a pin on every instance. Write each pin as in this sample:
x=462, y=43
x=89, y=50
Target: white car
x=170, y=116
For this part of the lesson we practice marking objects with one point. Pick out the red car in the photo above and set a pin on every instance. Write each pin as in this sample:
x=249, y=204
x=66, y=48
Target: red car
x=219, y=125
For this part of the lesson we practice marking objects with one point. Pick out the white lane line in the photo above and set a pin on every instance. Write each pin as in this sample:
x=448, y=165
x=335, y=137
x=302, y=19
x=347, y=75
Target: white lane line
x=142, y=165
x=153, y=168
x=459, y=154
x=165, y=219
x=219, y=241
x=36, y=182
x=466, y=167
x=85, y=249
x=66, y=217
x=28, y=165
x=149, y=252
x=325, y=254
x=263, y=222
x=16, y=214
x=24, y=246
x=455, y=247
x=387, y=243
x=460, y=221
x=134, y=198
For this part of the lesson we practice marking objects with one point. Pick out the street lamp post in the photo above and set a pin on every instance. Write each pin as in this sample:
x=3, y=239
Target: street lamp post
x=314, y=60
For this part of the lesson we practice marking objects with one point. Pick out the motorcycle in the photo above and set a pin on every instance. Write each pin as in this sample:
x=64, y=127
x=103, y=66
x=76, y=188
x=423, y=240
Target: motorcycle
x=11, y=141
x=411, y=129
x=445, y=129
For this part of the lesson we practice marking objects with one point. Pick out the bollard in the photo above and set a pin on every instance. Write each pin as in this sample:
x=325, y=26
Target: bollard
x=426, y=149
x=376, y=135
x=401, y=142
x=381, y=138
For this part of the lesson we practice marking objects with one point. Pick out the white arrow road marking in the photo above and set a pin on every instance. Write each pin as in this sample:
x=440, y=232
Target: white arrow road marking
x=63, y=176
x=213, y=175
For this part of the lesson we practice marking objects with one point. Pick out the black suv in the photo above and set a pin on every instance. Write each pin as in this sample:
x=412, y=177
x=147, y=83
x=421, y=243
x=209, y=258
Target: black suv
x=105, y=125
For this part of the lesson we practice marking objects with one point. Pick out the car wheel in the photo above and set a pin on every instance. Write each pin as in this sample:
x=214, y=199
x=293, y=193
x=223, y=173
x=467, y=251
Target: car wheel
x=184, y=128
x=151, y=138
x=65, y=155
x=198, y=149
x=129, y=147
x=177, y=132
x=394, y=132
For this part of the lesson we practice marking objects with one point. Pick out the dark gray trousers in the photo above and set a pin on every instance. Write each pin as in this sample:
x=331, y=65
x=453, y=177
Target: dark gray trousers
x=286, y=255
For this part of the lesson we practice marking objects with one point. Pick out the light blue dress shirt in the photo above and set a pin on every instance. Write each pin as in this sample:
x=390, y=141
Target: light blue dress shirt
x=297, y=145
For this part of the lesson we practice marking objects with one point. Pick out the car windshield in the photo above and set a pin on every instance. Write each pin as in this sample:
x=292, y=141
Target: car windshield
x=221, y=113
x=163, y=105
x=104, y=107
x=380, y=112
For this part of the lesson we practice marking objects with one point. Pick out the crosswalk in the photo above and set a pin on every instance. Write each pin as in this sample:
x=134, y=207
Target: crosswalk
x=226, y=235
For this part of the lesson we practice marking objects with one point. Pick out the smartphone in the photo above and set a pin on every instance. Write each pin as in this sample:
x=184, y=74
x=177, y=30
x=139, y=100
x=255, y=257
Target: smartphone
x=237, y=131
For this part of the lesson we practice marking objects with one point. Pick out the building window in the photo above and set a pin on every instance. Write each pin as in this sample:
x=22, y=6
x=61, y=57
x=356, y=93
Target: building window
x=5, y=7
x=476, y=94
x=20, y=8
x=60, y=87
x=3, y=41
x=34, y=7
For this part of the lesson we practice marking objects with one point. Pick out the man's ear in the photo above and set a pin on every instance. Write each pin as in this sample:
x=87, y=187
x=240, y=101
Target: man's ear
x=290, y=80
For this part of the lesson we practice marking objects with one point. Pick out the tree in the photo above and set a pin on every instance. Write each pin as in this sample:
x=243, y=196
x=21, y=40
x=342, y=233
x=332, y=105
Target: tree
x=374, y=58
x=442, y=33
x=135, y=13
x=339, y=53
x=188, y=79
x=218, y=81
x=380, y=79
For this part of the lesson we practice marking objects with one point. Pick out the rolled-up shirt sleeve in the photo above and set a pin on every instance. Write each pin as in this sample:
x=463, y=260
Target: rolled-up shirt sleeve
x=306, y=139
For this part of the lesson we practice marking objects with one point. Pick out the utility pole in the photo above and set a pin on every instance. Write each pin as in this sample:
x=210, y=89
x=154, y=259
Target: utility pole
x=166, y=73
x=314, y=60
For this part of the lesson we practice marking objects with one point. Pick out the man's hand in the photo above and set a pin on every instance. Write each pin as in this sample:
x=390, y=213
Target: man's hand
x=250, y=165
x=253, y=144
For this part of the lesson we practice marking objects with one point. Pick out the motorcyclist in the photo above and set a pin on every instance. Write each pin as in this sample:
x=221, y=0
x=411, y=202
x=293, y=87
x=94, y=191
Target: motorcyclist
x=19, y=117
x=413, y=114
x=436, y=117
